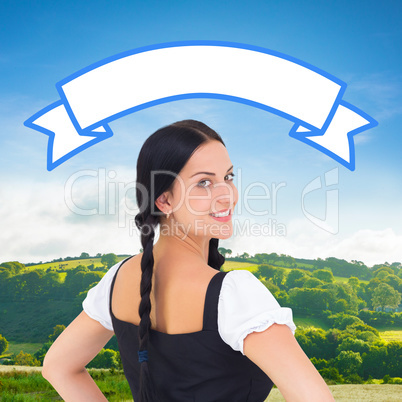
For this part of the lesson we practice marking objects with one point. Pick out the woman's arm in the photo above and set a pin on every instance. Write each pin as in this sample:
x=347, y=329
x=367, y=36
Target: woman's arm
x=65, y=361
x=277, y=352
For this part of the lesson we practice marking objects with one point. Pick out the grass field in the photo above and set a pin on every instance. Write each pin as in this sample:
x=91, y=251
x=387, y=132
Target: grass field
x=25, y=347
x=34, y=321
x=391, y=334
x=72, y=263
x=345, y=280
x=387, y=334
x=311, y=322
x=27, y=384
x=228, y=265
x=355, y=392
x=97, y=262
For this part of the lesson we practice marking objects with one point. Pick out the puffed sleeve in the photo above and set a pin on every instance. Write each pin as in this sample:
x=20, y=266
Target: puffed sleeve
x=245, y=305
x=96, y=304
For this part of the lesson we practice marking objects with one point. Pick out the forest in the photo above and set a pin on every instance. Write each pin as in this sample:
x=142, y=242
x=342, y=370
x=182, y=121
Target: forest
x=348, y=315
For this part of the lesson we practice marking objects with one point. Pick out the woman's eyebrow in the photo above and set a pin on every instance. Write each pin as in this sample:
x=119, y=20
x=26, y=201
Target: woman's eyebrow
x=210, y=173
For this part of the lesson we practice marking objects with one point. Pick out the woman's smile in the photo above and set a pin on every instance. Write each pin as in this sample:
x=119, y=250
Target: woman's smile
x=223, y=215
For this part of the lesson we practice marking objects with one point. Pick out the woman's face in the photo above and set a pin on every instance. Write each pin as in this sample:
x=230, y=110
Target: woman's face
x=204, y=187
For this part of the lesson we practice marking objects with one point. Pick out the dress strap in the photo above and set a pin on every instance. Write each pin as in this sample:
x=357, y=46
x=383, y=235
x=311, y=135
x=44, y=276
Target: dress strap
x=211, y=302
x=112, y=285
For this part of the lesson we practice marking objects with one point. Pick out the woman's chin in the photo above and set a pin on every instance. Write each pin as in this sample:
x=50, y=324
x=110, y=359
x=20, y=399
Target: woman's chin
x=224, y=236
x=224, y=232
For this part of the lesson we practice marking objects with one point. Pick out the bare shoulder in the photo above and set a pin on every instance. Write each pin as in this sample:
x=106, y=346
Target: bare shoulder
x=127, y=286
x=129, y=271
x=192, y=272
x=180, y=292
x=192, y=275
x=179, y=287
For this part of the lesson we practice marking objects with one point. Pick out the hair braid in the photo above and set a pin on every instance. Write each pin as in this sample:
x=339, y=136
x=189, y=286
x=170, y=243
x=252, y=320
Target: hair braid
x=146, y=392
x=167, y=150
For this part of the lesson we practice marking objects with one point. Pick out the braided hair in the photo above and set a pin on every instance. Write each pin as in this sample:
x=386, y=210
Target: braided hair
x=166, y=151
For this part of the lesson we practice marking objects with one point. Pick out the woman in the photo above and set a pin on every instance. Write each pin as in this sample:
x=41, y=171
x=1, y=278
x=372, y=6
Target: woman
x=185, y=331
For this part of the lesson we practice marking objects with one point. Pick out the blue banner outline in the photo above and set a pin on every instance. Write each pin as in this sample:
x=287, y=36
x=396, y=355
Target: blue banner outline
x=100, y=136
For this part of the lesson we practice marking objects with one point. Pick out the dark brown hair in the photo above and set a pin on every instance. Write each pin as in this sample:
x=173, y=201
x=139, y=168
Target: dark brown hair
x=167, y=150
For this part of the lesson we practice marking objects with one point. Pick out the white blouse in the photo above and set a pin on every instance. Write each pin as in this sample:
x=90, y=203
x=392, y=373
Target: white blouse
x=245, y=305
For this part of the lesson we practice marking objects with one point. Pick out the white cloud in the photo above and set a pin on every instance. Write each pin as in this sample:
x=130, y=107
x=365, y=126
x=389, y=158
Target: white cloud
x=37, y=224
x=305, y=240
x=371, y=246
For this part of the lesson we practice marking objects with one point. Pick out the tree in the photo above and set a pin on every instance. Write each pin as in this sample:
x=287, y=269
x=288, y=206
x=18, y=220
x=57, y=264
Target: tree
x=374, y=362
x=313, y=342
x=270, y=286
x=348, y=362
x=51, y=284
x=319, y=364
x=32, y=283
x=14, y=267
x=341, y=306
x=276, y=274
x=369, y=291
x=332, y=374
x=261, y=258
x=25, y=359
x=3, y=344
x=84, y=255
x=282, y=298
x=355, y=345
x=106, y=358
x=312, y=283
x=383, y=269
x=360, y=331
x=296, y=278
x=394, y=358
x=344, y=291
x=225, y=251
x=382, y=275
x=109, y=260
x=245, y=255
x=265, y=271
x=41, y=353
x=222, y=250
x=341, y=320
x=312, y=300
x=324, y=275
x=354, y=283
x=57, y=330
x=385, y=296
x=77, y=282
x=394, y=281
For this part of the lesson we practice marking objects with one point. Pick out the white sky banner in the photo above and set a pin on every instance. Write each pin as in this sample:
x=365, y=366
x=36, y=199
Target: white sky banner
x=141, y=78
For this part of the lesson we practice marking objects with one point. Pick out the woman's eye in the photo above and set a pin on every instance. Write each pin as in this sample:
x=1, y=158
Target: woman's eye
x=231, y=175
x=200, y=184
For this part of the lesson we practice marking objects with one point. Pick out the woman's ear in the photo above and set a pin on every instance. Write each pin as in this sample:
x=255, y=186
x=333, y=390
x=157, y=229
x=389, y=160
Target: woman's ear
x=162, y=202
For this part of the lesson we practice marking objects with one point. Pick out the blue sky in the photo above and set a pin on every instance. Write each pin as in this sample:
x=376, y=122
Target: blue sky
x=358, y=42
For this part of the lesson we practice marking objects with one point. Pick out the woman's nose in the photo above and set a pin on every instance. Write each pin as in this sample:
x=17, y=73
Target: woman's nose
x=225, y=194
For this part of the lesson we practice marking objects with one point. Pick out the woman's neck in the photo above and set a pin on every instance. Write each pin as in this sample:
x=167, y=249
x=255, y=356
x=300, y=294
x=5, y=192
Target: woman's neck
x=176, y=244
